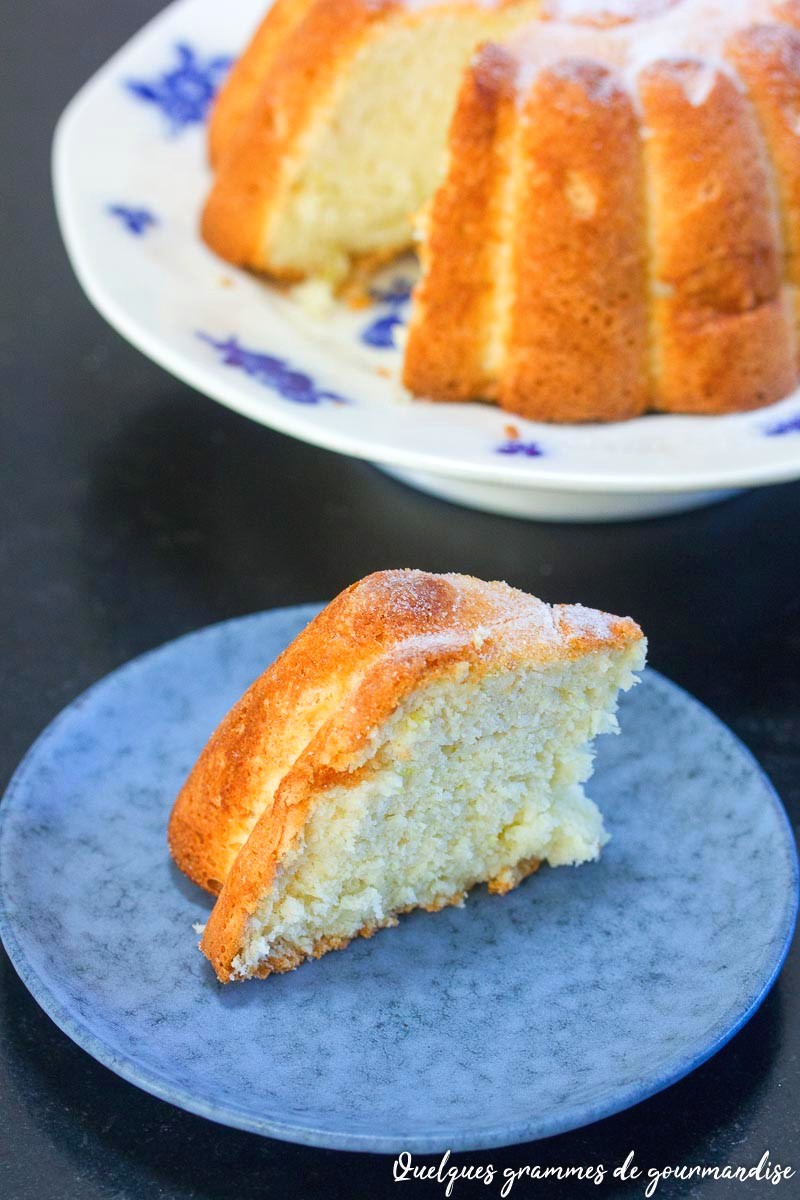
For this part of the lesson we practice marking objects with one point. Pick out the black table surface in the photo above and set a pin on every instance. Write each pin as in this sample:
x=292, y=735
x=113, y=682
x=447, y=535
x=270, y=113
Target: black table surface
x=134, y=510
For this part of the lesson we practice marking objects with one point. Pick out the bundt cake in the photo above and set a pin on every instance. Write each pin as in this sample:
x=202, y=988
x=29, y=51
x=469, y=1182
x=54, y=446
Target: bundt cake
x=611, y=226
x=617, y=230
x=424, y=734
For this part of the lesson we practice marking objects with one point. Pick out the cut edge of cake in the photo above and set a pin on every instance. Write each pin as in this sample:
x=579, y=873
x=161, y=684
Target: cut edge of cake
x=317, y=166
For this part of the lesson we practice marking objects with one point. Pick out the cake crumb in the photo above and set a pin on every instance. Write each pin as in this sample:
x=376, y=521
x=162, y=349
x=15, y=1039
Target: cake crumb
x=315, y=296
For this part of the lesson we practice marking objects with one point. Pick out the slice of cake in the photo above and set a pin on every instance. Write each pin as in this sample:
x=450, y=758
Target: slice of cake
x=425, y=733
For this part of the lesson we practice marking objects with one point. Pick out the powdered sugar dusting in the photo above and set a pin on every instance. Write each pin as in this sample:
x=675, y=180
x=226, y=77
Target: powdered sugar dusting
x=627, y=36
x=421, y=5
x=414, y=597
x=605, y=12
x=696, y=76
x=597, y=83
x=429, y=613
x=591, y=621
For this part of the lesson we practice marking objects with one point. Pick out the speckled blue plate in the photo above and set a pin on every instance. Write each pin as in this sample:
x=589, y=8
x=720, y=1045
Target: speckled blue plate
x=577, y=995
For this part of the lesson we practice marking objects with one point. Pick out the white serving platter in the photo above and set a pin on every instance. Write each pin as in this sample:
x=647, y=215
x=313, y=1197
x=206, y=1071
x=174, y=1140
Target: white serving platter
x=130, y=175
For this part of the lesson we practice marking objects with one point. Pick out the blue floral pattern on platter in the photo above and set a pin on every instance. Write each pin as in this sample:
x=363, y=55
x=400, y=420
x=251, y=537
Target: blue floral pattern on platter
x=514, y=447
x=578, y=994
x=789, y=425
x=136, y=220
x=184, y=92
x=272, y=372
x=379, y=333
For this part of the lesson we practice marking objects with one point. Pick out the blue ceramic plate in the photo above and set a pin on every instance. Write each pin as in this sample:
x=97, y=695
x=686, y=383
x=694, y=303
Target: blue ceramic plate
x=577, y=995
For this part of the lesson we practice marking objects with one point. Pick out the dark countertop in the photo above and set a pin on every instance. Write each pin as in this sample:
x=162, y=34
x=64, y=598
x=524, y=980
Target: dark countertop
x=133, y=510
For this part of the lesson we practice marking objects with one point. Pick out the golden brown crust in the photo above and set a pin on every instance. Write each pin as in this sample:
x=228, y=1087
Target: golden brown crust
x=512, y=877
x=307, y=722
x=723, y=332
x=278, y=717
x=787, y=11
x=241, y=88
x=568, y=309
x=647, y=270
x=767, y=58
x=445, y=356
x=578, y=346
x=256, y=167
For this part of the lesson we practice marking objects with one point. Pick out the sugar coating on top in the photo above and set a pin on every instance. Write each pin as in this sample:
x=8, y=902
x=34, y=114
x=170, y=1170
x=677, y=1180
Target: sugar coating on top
x=422, y=5
x=591, y=621
x=424, y=611
x=430, y=603
x=604, y=12
x=626, y=36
